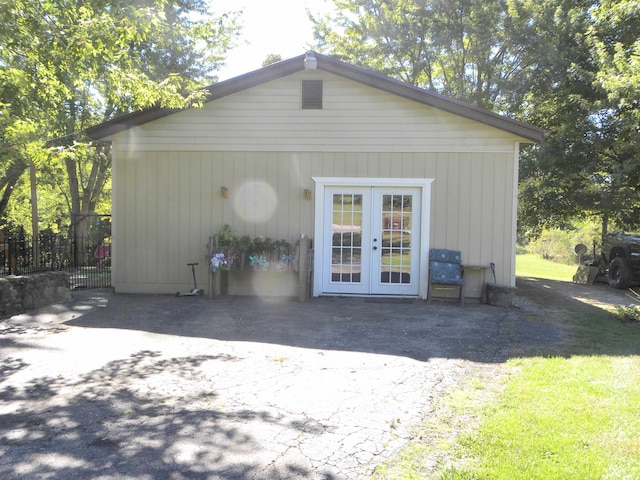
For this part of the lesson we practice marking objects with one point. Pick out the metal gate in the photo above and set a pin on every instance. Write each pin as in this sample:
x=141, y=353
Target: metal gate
x=84, y=251
x=90, y=251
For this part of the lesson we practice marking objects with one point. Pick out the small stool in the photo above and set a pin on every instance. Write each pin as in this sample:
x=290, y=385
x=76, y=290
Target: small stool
x=484, y=268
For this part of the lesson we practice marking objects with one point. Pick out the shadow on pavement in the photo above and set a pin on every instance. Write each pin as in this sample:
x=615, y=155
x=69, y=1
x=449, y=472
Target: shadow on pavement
x=89, y=434
x=150, y=415
x=417, y=330
x=587, y=313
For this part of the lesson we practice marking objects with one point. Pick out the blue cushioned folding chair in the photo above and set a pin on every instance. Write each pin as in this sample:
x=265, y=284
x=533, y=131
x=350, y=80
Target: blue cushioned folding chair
x=445, y=269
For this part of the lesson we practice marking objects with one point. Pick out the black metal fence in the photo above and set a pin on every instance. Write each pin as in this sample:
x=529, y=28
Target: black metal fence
x=87, y=257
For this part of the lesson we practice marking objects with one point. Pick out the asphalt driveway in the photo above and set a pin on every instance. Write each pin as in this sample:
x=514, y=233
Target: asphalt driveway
x=159, y=387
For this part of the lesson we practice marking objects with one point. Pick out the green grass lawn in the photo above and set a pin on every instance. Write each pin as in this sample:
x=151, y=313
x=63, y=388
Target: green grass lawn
x=531, y=265
x=574, y=415
x=558, y=418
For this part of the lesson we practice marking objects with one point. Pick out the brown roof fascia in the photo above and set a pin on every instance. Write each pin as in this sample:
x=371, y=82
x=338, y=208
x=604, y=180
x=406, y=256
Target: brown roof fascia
x=432, y=99
x=328, y=64
x=215, y=91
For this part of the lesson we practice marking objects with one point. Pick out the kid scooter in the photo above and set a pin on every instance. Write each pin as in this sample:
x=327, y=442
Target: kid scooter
x=195, y=291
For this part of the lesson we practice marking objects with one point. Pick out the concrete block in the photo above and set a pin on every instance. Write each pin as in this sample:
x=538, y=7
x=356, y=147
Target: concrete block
x=500, y=295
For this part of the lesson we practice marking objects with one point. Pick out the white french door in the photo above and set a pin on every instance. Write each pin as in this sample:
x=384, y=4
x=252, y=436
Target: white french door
x=371, y=241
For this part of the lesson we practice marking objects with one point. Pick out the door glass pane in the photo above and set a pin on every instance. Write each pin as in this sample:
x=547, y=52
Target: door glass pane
x=396, y=249
x=346, y=241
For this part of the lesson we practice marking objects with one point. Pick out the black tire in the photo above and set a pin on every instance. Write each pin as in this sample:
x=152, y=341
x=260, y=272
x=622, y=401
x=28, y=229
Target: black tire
x=620, y=274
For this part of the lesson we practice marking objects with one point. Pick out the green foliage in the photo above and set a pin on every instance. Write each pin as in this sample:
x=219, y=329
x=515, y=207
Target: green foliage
x=226, y=237
x=570, y=67
x=587, y=232
x=235, y=252
x=65, y=65
x=272, y=58
x=245, y=244
x=554, y=244
x=455, y=48
x=615, y=41
x=558, y=244
x=628, y=313
x=631, y=312
x=590, y=165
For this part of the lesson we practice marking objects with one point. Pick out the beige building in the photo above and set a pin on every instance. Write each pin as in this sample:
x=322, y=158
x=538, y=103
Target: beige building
x=376, y=172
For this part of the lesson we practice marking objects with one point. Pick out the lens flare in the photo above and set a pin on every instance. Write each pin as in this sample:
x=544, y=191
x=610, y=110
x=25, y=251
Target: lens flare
x=255, y=201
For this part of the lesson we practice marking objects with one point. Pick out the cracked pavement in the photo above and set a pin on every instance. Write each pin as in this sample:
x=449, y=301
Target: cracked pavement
x=159, y=387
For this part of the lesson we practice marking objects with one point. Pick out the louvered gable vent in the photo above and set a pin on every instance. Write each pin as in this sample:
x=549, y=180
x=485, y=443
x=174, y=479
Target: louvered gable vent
x=311, y=94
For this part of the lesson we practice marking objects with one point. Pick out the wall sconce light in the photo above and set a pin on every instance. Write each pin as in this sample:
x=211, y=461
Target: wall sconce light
x=224, y=191
x=307, y=194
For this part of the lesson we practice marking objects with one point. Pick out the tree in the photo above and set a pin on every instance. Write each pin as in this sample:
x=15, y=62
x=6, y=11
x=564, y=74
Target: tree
x=560, y=96
x=615, y=38
x=272, y=58
x=589, y=167
x=455, y=48
x=67, y=64
x=615, y=42
x=569, y=66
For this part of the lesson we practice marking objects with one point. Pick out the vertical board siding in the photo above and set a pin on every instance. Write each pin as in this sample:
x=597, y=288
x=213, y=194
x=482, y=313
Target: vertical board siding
x=167, y=212
x=465, y=206
x=154, y=219
x=169, y=203
x=265, y=149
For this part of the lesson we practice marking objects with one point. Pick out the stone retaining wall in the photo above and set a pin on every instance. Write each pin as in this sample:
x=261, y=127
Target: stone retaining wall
x=23, y=293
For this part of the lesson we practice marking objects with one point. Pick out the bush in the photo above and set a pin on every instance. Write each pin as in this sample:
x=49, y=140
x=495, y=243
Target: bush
x=556, y=245
x=629, y=313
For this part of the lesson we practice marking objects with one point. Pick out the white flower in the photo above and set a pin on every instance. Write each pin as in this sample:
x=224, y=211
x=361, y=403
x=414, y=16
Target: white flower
x=218, y=262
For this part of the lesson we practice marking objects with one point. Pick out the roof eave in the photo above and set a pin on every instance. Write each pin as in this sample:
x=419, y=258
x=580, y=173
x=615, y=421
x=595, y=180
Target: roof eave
x=215, y=91
x=328, y=64
x=411, y=92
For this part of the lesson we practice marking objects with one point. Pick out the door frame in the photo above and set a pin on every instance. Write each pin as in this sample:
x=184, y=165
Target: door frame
x=322, y=182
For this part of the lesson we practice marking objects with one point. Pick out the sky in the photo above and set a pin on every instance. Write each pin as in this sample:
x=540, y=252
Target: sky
x=270, y=27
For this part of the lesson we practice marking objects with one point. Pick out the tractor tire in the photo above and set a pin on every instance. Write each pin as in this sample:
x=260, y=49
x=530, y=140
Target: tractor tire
x=620, y=274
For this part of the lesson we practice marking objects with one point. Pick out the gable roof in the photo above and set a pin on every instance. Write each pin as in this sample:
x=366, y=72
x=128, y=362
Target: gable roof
x=346, y=70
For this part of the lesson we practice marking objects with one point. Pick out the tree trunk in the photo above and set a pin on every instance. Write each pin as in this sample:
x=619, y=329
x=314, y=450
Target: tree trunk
x=11, y=177
x=74, y=188
x=85, y=194
x=605, y=227
x=35, y=232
